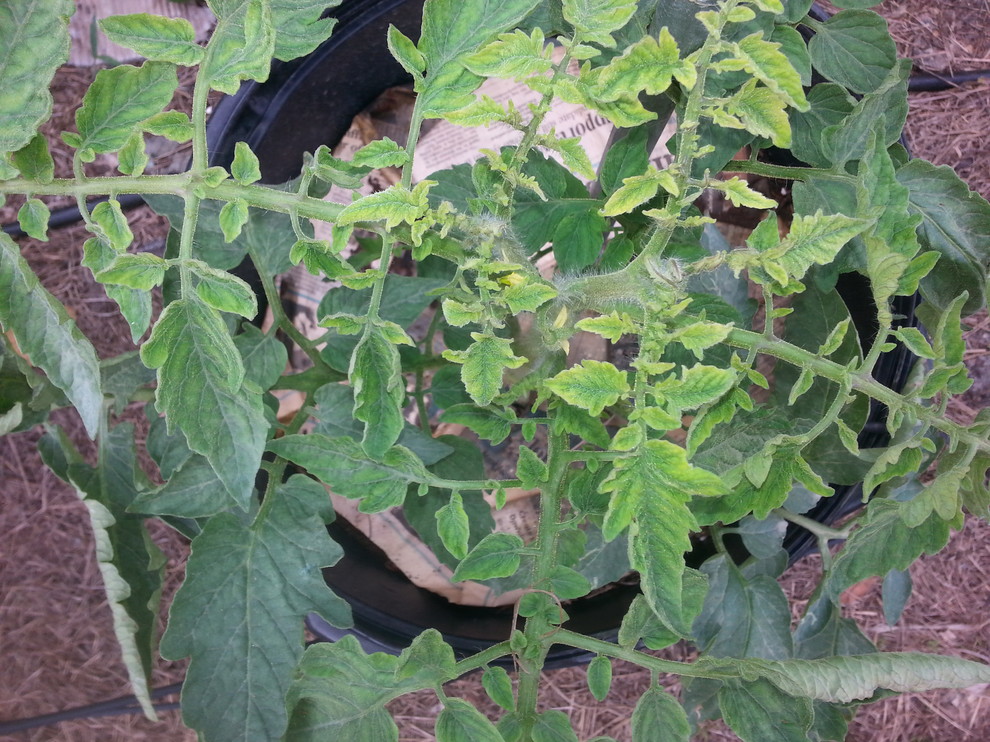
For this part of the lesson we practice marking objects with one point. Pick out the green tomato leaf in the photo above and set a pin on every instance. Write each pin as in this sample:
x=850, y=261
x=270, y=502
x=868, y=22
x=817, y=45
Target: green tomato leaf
x=340, y=692
x=120, y=100
x=264, y=355
x=483, y=364
x=829, y=105
x=461, y=722
x=173, y=125
x=813, y=240
x=647, y=66
x=514, y=55
x=300, y=27
x=553, y=726
x=492, y=425
x=739, y=193
x=624, y=159
x=659, y=718
x=380, y=153
x=855, y=678
x=379, y=390
x=592, y=385
x=239, y=614
x=142, y=271
x=245, y=168
x=760, y=111
x=135, y=304
x=242, y=44
x=154, y=37
x=223, y=291
x=596, y=20
x=201, y=392
x=769, y=65
x=854, y=49
x=496, y=555
x=34, y=160
x=429, y=658
x=453, y=526
x=758, y=711
x=33, y=216
x=110, y=218
x=46, y=334
x=404, y=50
x=395, y=205
x=130, y=563
x=233, y=216
x=956, y=224
x=498, y=685
x=194, y=491
x=35, y=42
x=600, y=677
x=132, y=159
x=343, y=465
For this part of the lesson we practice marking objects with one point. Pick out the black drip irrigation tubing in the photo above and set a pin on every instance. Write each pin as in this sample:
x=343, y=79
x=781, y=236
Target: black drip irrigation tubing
x=114, y=707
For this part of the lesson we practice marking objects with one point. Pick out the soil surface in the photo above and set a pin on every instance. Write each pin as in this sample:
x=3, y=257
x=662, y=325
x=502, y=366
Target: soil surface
x=55, y=630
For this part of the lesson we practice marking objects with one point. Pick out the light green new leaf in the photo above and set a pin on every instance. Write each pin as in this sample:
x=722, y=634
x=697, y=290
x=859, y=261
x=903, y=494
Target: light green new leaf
x=173, y=125
x=110, y=218
x=233, y=216
x=119, y=100
x=34, y=160
x=596, y=20
x=659, y=718
x=498, y=685
x=652, y=488
x=340, y=693
x=956, y=224
x=763, y=112
x=299, y=27
x=610, y=326
x=483, y=364
x=343, y=465
x=46, y=334
x=394, y=205
x=813, y=240
x=638, y=189
x=200, y=390
x=129, y=562
x=379, y=390
x=647, y=66
x=245, y=168
x=857, y=677
x=854, y=49
x=404, y=50
x=239, y=614
x=33, y=217
x=34, y=42
x=739, y=193
x=142, y=271
x=697, y=386
x=242, y=44
x=514, y=55
x=135, y=304
x=155, y=37
x=764, y=59
x=530, y=469
x=758, y=711
x=380, y=153
x=592, y=385
x=461, y=722
x=132, y=159
x=526, y=296
x=224, y=291
x=496, y=555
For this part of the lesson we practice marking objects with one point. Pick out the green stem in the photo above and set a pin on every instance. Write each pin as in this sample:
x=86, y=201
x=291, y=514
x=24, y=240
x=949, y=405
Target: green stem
x=539, y=631
x=654, y=664
x=781, y=172
x=818, y=529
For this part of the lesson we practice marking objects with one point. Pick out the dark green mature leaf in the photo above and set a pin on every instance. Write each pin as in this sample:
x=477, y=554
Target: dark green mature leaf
x=829, y=105
x=119, y=100
x=201, y=392
x=758, y=711
x=451, y=31
x=956, y=224
x=429, y=658
x=823, y=632
x=461, y=722
x=123, y=375
x=453, y=526
x=299, y=28
x=846, y=679
x=624, y=159
x=134, y=304
x=659, y=718
x=498, y=686
x=194, y=491
x=554, y=726
x=343, y=465
x=130, y=563
x=33, y=216
x=379, y=390
x=652, y=487
x=340, y=693
x=740, y=617
x=239, y=613
x=34, y=160
x=264, y=356
x=242, y=44
x=600, y=677
x=885, y=542
x=854, y=49
x=35, y=41
x=155, y=37
x=48, y=336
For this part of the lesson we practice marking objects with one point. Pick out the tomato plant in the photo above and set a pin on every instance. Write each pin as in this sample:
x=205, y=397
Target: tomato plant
x=693, y=435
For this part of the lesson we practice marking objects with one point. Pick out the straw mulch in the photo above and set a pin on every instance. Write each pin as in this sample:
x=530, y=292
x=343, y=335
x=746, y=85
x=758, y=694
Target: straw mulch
x=56, y=640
